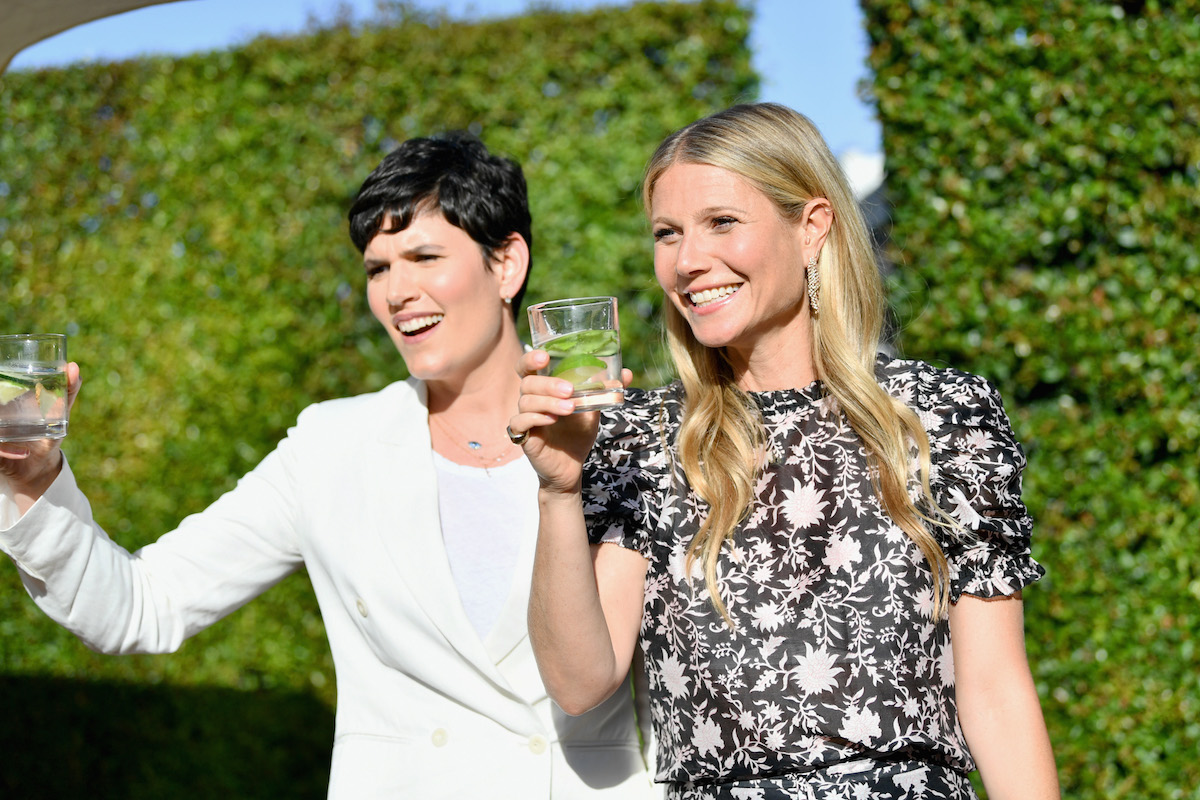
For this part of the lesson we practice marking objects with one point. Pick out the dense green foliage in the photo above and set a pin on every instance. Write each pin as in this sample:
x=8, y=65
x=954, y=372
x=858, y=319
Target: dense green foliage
x=184, y=221
x=1043, y=164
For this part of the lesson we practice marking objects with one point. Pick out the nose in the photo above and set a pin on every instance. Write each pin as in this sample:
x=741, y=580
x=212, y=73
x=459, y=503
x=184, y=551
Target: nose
x=401, y=288
x=690, y=258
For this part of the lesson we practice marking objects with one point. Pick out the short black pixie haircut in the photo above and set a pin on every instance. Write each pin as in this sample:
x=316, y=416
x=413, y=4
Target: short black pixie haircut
x=481, y=193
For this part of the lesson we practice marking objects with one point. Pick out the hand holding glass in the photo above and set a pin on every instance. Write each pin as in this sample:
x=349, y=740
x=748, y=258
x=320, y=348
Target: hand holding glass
x=582, y=337
x=33, y=387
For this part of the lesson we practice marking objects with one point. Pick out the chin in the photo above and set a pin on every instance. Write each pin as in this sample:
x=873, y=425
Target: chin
x=711, y=336
x=421, y=368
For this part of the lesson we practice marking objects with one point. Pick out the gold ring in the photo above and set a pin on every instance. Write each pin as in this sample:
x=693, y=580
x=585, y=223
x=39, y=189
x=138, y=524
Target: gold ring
x=515, y=438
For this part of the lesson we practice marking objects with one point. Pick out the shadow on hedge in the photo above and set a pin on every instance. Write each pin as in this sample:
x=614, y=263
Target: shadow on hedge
x=67, y=738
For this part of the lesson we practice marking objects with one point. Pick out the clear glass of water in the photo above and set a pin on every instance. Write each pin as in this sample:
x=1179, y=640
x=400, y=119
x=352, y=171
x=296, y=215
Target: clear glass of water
x=582, y=336
x=33, y=386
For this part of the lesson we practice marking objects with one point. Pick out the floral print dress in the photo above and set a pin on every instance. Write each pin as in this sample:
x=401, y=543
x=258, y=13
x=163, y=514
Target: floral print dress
x=836, y=680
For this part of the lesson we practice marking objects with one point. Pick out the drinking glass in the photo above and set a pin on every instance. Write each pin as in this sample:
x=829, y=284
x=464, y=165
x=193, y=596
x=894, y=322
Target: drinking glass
x=33, y=386
x=582, y=337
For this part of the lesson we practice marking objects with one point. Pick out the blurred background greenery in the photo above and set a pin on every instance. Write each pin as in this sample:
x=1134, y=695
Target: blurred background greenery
x=183, y=220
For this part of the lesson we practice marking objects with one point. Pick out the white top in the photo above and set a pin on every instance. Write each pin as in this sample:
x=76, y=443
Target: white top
x=484, y=566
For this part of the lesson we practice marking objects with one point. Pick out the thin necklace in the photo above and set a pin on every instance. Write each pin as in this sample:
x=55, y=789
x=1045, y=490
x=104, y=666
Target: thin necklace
x=472, y=446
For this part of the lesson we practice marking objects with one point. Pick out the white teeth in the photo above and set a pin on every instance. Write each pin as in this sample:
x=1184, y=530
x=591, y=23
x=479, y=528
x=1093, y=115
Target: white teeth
x=417, y=323
x=709, y=295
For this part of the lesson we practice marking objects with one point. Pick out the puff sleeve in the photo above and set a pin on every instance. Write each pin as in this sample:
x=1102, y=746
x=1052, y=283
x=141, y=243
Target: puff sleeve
x=625, y=475
x=975, y=475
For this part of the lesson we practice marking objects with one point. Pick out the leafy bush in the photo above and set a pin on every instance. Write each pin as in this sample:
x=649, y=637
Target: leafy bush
x=1043, y=165
x=183, y=219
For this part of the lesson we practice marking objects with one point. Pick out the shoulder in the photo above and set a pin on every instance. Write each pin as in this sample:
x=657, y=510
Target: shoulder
x=629, y=463
x=636, y=433
x=364, y=411
x=941, y=396
x=645, y=414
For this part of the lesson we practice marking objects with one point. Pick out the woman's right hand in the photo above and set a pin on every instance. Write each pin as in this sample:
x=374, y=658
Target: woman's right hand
x=31, y=467
x=559, y=439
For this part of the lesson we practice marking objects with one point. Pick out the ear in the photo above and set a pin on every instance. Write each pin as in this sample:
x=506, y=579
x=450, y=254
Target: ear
x=511, y=264
x=815, y=223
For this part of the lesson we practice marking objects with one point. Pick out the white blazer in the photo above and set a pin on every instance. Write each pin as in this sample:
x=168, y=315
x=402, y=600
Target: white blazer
x=425, y=708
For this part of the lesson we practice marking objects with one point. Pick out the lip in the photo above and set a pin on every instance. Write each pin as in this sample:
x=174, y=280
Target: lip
x=711, y=305
x=399, y=321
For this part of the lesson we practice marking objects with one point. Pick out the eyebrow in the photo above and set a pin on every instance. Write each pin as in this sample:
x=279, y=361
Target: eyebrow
x=418, y=250
x=705, y=212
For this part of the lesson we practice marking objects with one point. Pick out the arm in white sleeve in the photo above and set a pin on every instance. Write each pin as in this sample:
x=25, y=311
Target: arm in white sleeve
x=151, y=600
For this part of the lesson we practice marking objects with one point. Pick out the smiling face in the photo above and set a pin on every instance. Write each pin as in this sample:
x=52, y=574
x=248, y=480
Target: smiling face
x=439, y=299
x=731, y=265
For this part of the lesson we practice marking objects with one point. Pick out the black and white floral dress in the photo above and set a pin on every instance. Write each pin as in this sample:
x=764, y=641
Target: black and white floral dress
x=836, y=681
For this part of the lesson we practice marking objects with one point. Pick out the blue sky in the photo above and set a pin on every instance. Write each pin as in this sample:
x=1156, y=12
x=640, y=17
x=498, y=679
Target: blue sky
x=810, y=53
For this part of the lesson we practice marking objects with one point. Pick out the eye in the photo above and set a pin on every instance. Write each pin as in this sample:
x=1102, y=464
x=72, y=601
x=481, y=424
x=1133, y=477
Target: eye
x=375, y=270
x=662, y=234
x=723, y=222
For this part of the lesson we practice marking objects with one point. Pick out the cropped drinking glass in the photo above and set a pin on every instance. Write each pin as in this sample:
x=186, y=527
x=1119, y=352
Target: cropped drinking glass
x=33, y=386
x=582, y=336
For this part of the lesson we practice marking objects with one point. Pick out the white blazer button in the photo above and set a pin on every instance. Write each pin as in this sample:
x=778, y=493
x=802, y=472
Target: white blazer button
x=439, y=737
x=362, y=607
x=537, y=744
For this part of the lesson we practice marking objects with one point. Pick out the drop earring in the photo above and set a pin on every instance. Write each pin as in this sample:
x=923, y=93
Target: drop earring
x=814, y=284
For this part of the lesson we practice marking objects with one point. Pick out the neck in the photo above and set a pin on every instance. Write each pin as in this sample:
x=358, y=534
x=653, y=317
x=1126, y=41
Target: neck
x=489, y=390
x=467, y=417
x=777, y=363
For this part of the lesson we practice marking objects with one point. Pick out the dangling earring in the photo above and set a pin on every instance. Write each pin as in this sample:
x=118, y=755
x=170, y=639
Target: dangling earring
x=814, y=284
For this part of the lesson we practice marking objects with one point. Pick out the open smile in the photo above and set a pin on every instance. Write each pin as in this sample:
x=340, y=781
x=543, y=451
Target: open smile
x=709, y=296
x=418, y=325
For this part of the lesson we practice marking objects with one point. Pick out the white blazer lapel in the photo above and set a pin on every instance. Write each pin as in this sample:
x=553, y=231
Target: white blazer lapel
x=512, y=628
x=414, y=543
x=508, y=643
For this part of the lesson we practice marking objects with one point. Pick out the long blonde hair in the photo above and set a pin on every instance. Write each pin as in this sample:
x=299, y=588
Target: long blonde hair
x=721, y=438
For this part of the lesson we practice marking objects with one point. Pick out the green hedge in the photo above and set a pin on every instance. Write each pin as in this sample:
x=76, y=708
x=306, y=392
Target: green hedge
x=1043, y=166
x=183, y=219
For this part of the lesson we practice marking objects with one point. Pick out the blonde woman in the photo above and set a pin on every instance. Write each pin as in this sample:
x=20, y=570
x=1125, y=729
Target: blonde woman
x=821, y=549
